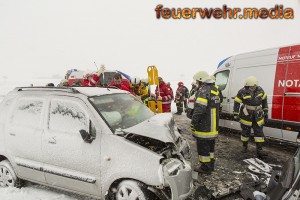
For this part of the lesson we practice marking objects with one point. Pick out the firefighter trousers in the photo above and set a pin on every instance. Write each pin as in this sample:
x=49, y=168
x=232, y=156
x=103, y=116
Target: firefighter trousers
x=206, y=152
x=180, y=104
x=258, y=132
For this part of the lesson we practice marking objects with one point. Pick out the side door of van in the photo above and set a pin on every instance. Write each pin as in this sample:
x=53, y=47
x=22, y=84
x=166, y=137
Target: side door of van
x=24, y=137
x=69, y=162
x=291, y=99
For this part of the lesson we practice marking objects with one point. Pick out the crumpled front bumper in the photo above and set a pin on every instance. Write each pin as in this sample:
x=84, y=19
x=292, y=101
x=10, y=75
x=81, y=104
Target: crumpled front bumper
x=181, y=184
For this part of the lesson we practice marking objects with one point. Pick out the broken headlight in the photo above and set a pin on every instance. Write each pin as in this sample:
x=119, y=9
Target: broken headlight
x=171, y=167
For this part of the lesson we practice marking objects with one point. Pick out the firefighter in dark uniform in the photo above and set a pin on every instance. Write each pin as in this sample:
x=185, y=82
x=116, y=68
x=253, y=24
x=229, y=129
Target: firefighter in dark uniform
x=182, y=94
x=205, y=121
x=251, y=110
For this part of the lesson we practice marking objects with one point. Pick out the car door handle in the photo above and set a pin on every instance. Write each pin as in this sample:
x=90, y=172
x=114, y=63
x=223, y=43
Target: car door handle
x=12, y=134
x=52, y=140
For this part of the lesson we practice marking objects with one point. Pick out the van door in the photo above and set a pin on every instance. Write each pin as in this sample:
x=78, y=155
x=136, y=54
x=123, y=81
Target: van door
x=291, y=101
x=69, y=162
x=222, y=82
x=23, y=137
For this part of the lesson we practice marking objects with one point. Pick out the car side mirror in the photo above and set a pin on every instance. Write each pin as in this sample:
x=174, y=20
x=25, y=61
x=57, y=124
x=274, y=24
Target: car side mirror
x=88, y=137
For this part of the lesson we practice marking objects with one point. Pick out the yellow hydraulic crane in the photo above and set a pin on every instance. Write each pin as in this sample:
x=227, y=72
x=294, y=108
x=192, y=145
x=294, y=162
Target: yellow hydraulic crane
x=153, y=80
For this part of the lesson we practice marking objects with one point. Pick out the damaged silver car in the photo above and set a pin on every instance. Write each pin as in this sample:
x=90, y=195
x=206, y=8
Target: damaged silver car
x=99, y=142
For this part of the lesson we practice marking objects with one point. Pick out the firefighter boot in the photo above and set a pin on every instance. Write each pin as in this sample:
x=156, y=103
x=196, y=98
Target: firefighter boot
x=245, y=147
x=203, y=169
x=259, y=150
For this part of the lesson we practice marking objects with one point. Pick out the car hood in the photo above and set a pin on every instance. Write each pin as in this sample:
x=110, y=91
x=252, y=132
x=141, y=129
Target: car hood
x=160, y=127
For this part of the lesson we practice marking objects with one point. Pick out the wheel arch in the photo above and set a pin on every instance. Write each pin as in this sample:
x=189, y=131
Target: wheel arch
x=114, y=185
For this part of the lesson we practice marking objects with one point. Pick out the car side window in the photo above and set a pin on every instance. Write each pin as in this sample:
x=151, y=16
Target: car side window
x=27, y=112
x=67, y=116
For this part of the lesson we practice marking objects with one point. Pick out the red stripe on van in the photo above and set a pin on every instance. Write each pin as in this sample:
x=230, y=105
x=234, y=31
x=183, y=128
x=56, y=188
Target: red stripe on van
x=286, y=105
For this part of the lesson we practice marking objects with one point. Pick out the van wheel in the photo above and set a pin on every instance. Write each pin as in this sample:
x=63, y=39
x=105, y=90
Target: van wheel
x=8, y=177
x=130, y=190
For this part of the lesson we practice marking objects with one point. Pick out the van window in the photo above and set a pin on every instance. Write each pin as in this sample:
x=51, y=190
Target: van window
x=222, y=79
x=67, y=116
x=27, y=112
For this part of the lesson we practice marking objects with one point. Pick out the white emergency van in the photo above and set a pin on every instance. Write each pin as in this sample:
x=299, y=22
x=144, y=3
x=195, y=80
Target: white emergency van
x=278, y=73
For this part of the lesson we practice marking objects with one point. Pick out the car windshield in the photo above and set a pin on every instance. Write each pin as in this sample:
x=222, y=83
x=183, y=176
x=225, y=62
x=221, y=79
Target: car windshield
x=121, y=110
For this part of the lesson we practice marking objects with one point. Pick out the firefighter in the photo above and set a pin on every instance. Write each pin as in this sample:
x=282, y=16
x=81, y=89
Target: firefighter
x=182, y=93
x=136, y=86
x=251, y=110
x=145, y=91
x=163, y=93
x=205, y=121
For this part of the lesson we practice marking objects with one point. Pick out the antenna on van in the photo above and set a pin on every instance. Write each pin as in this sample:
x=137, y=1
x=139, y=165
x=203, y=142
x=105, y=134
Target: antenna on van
x=96, y=65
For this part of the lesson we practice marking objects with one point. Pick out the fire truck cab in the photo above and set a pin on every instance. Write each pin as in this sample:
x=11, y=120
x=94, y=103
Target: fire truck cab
x=278, y=73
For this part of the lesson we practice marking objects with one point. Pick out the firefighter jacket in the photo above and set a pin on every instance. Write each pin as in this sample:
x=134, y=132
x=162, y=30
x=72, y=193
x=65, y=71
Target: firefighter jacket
x=139, y=90
x=205, y=118
x=182, y=93
x=251, y=105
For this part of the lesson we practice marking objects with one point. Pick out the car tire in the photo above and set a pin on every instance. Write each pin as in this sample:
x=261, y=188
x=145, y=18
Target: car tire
x=8, y=177
x=131, y=190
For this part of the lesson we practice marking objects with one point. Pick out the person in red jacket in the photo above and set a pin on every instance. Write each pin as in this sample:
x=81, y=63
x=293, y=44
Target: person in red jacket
x=164, y=94
x=91, y=79
x=119, y=83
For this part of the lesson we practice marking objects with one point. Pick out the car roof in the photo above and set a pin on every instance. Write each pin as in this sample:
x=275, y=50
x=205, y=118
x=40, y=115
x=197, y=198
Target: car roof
x=87, y=91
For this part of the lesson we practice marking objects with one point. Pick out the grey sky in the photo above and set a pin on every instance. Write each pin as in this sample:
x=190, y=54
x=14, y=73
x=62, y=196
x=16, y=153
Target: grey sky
x=39, y=38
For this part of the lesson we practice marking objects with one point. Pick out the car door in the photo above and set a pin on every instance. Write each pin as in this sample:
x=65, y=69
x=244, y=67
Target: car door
x=23, y=137
x=69, y=162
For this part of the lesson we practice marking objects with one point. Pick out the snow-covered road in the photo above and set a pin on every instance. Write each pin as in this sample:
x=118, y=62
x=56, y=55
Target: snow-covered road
x=38, y=192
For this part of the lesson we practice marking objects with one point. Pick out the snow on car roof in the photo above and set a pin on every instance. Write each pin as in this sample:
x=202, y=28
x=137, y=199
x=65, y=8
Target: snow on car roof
x=87, y=91
x=96, y=91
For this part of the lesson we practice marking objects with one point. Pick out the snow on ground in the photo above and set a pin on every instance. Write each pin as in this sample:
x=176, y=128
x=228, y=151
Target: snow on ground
x=38, y=192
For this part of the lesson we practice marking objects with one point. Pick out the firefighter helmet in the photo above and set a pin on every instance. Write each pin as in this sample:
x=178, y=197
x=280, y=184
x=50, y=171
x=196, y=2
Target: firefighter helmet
x=201, y=76
x=251, y=81
x=145, y=80
x=180, y=83
x=135, y=80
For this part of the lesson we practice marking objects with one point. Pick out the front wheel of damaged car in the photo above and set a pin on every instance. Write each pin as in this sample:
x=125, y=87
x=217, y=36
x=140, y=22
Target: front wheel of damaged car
x=131, y=190
x=8, y=177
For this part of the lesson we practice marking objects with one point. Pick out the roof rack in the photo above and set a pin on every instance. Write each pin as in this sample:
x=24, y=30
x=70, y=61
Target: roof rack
x=68, y=89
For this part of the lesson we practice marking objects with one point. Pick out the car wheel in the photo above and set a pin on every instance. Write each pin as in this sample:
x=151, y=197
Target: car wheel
x=130, y=190
x=8, y=177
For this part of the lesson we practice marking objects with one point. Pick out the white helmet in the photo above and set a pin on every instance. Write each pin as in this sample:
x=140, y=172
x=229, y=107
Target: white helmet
x=251, y=81
x=145, y=80
x=135, y=80
x=202, y=76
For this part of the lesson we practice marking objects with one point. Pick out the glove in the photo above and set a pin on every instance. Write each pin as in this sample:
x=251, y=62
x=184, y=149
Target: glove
x=101, y=70
x=236, y=118
x=159, y=98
